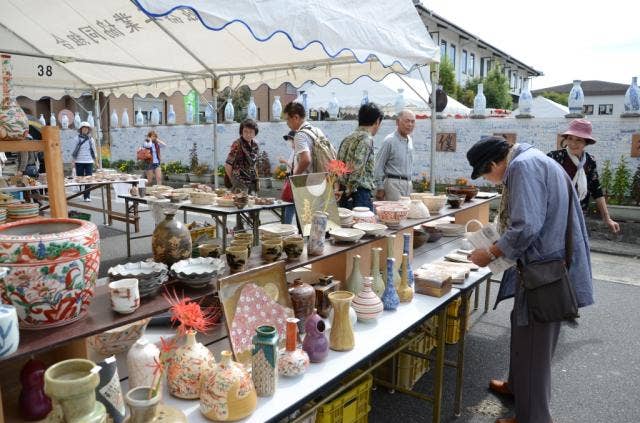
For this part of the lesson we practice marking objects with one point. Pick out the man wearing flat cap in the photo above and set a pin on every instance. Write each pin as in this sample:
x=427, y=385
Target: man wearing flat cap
x=532, y=222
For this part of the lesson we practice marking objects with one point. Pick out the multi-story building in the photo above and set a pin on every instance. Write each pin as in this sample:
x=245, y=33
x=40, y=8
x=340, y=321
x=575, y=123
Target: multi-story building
x=601, y=98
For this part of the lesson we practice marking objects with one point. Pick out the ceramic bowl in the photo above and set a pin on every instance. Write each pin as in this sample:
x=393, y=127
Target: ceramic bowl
x=224, y=202
x=468, y=191
x=210, y=249
x=277, y=229
x=119, y=339
x=198, y=272
x=271, y=250
x=346, y=234
x=240, y=201
x=392, y=215
x=137, y=270
x=455, y=201
x=293, y=246
x=420, y=237
x=202, y=198
x=371, y=229
x=363, y=214
x=433, y=202
x=236, y=258
x=434, y=234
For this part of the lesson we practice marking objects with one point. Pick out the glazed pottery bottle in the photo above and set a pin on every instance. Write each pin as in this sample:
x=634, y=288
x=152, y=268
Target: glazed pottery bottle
x=208, y=113
x=252, y=109
x=13, y=120
x=405, y=292
x=390, y=298
x=64, y=122
x=171, y=116
x=303, y=297
x=399, y=104
x=315, y=341
x=52, y=119
x=378, y=283
x=9, y=331
x=42, y=121
x=525, y=101
x=365, y=98
x=405, y=250
x=293, y=361
x=144, y=408
x=90, y=119
x=480, y=102
x=139, y=117
x=72, y=383
x=108, y=391
x=125, y=118
x=391, y=239
x=632, y=97
x=189, y=114
x=113, y=122
x=576, y=98
x=276, y=108
x=76, y=120
x=140, y=360
x=171, y=241
x=317, y=234
x=34, y=404
x=190, y=362
x=334, y=107
x=341, y=337
x=227, y=391
x=264, y=360
x=155, y=116
x=354, y=281
x=229, y=111
x=367, y=305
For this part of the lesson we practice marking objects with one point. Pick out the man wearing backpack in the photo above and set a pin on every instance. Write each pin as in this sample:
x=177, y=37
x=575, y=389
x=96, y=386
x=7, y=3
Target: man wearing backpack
x=356, y=150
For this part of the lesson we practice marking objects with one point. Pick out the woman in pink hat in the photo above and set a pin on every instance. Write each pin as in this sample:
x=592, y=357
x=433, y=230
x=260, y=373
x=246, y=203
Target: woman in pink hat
x=581, y=167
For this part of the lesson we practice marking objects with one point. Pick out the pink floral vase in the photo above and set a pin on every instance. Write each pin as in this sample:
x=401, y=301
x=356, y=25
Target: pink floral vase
x=53, y=265
x=190, y=362
x=293, y=361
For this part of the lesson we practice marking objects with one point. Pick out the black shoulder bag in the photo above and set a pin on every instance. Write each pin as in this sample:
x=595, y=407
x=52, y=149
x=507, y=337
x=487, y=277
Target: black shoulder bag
x=549, y=292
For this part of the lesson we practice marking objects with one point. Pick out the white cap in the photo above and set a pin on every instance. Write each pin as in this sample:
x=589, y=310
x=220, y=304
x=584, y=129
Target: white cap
x=83, y=124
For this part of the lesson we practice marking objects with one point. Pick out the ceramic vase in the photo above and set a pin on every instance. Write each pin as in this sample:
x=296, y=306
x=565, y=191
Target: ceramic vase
x=72, y=384
x=9, y=332
x=42, y=121
x=113, y=120
x=367, y=305
x=189, y=114
x=53, y=265
x=525, y=101
x=189, y=363
x=125, y=118
x=405, y=292
x=171, y=116
x=341, y=337
x=252, y=109
x=334, y=107
x=354, y=281
x=229, y=111
x=391, y=239
x=365, y=98
x=480, y=102
x=13, y=121
x=378, y=282
x=155, y=116
x=64, y=121
x=303, y=297
x=305, y=97
x=208, y=113
x=228, y=393
x=293, y=361
x=90, y=119
x=406, y=245
x=140, y=361
x=53, y=121
x=276, y=108
x=34, y=403
x=317, y=233
x=576, y=98
x=76, y=120
x=390, y=298
x=108, y=391
x=315, y=341
x=264, y=360
x=145, y=409
x=171, y=241
x=139, y=117
x=632, y=97
x=399, y=103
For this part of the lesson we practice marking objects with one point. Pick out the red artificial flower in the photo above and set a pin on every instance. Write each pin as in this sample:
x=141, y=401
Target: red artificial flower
x=167, y=346
x=338, y=168
x=190, y=315
x=156, y=366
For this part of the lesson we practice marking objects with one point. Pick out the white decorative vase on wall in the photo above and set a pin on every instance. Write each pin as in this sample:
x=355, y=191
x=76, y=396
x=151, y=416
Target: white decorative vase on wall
x=252, y=109
x=480, y=103
x=229, y=111
x=276, y=108
x=171, y=116
x=525, y=102
x=139, y=118
x=76, y=121
x=576, y=100
x=90, y=120
x=399, y=104
x=632, y=98
x=365, y=98
x=42, y=121
x=64, y=122
x=52, y=120
x=334, y=107
x=155, y=116
x=113, y=121
x=208, y=113
x=125, y=118
x=189, y=114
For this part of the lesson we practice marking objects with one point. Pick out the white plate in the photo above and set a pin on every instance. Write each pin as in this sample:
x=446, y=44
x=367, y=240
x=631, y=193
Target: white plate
x=371, y=229
x=346, y=234
x=198, y=267
x=140, y=268
x=279, y=229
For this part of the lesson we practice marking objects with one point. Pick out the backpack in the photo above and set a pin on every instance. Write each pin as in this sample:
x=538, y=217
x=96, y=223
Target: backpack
x=322, y=151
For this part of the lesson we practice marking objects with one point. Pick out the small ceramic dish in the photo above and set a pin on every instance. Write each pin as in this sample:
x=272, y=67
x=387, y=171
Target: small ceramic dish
x=371, y=229
x=119, y=339
x=136, y=270
x=346, y=234
x=455, y=201
x=197, y=272
x=278, y=229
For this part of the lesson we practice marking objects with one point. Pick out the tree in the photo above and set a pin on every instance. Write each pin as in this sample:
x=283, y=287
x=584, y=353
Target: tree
x=621, y=180
x=467, y=94
x=496, y=89
x=561, y=98
x=606, y=178
x=240, y=98
x=448, y=78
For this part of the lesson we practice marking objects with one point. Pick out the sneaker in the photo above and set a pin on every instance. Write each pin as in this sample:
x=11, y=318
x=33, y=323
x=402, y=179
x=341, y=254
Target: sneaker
x=87, y=200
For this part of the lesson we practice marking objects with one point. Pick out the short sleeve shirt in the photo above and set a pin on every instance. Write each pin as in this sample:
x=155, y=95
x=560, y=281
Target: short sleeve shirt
x=301, y=143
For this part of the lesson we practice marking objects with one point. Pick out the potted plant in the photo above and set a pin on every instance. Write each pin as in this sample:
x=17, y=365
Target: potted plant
x=422, y=184
x=220, y=172
x=620, y=205
x=198, y=173
x=176, y=171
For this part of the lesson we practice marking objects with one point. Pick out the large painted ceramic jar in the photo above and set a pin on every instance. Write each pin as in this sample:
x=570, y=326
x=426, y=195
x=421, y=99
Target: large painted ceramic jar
x=171, y=241
x=189, y=364
x=13, y=121
x=227, y=391
x=53, y=265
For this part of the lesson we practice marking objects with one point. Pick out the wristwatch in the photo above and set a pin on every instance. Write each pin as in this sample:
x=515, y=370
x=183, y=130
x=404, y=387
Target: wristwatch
x=492, y=256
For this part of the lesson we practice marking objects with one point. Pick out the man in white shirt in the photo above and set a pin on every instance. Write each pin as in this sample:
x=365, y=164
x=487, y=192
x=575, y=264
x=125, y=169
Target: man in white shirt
x=302, y=143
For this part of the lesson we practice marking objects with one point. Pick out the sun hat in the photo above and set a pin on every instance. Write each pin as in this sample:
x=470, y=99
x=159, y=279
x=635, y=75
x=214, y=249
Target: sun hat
x=85, y=123
x=580, y=128
x=485, y=151
x=289, y=136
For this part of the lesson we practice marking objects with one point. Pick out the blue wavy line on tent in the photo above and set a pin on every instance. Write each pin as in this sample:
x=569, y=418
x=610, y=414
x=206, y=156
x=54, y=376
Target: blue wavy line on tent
x=286, y=34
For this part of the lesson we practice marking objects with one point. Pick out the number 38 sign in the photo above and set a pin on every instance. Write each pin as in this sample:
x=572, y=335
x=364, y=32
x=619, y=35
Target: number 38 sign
x=44, y=70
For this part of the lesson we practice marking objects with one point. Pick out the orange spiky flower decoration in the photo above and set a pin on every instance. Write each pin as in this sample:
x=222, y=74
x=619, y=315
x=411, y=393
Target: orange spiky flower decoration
x=190, y=315
x=335, y=170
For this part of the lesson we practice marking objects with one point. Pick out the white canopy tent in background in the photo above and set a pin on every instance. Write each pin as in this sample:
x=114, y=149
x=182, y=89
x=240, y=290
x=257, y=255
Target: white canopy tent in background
x=384, y=93
x=145, y=47
x=544, y=108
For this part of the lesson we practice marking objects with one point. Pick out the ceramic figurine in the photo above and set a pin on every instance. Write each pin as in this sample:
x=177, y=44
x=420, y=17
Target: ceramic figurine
x=171, y=240
x=378, y=282
x=303, y=297
x=34, y=403
x=144, y=408
x=140, y=359
x=9, y=332
x=108, y=391
x=405, y=292
x=264, y=360
x=190, y=362
x=354, y=281
x=367, y=305
x=319, y=221
x=13, y=121
x=293, y=361
x=390, y=298
x=341, y=337
x=315, y=341
x=276, y=108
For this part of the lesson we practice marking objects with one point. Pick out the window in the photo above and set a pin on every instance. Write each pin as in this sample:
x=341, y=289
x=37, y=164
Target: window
x=443, y=49
x=464, y=61
x=452, y=55
x=587, y=109
x=605, y=109
x=471, y=70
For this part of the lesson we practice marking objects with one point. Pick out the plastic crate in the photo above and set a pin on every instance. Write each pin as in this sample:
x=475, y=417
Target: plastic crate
x=353, y=406
x=452, y=334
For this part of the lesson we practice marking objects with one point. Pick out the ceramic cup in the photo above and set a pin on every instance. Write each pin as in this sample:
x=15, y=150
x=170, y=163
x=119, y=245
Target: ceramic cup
x=125, y=296
x=293, y=246
x=242, y=243
x=244, y=236
x=271, y=249
x=9, y=332
x=210, y=249
x=236, y=258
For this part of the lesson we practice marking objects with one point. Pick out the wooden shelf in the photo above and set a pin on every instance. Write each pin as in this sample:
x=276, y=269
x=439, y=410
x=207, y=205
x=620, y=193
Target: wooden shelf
x=23, y=145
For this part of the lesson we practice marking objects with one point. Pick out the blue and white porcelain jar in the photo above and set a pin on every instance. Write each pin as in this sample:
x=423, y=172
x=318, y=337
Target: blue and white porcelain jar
x=390, y=299
x=632, y=97
x=276, y=108
x=334, y=107
x=229, y=111
x=525, y=102
x=480, y=102
x=319, y=223
x=576, y=98
x=252, y=109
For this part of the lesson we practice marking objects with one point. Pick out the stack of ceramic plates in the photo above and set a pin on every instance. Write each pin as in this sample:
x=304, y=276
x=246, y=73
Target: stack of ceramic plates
x=197, y=272
x=3, y=215
x=274, y=230
x=346, y=217
x=371, y=229
x=22, y=210
x=450, y=229
x=150, y=275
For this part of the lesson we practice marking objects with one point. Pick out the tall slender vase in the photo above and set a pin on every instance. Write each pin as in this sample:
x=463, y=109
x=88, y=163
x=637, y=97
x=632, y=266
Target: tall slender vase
x=90, y=120
x=139, y=118
x=334, y=107
x=113, y=122
x=293, y=361
x=125, y=118
x=365, y=98
x=303, y=298
x=399, y=104
x=190, y=362
x=391, y=239
x=189, y=114
x=155, y=116
x=148, y=409
x=264, y=360
x=42, y=120
x=54, y=122
x=341, y=337
x=317, y=234
x=64, y=122
x=406, y=244
x=632, y=97
x=354, y=281
x=208, y=113
x=367, y=305
x=276, y=108
x=13, y=121
x=576, y=99
x=229, y=111
x=315, y=341
x=390, y=298
x=252, y=109
x=405, y=292
x=480, y=102
x=76, y=120
x=378, y=282
x=171, y=116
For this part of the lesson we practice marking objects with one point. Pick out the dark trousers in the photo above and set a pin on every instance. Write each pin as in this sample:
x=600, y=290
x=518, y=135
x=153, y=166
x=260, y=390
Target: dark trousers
x=84, y=169
x=360, y=198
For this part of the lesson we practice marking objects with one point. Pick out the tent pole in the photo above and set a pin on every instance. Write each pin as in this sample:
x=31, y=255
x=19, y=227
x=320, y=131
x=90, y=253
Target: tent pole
x=214, y=91
x=435, y=70
x=96, y=112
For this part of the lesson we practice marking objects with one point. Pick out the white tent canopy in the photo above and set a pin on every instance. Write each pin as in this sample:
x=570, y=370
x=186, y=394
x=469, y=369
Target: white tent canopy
x=544, y=108
x=153, y=46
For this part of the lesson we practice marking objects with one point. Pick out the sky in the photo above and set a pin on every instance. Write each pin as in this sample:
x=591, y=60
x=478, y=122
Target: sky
x=565, y=39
